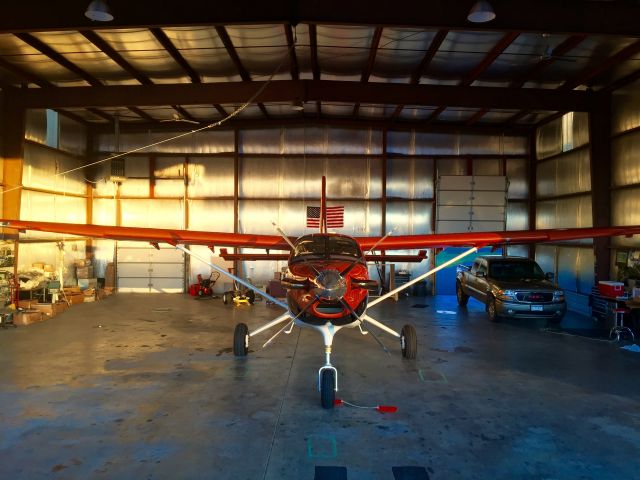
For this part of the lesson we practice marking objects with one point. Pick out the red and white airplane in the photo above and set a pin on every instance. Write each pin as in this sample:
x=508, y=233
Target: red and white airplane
x=327, y=280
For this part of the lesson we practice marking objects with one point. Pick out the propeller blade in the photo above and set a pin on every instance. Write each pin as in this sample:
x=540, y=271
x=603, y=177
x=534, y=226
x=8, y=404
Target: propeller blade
x=353, y=312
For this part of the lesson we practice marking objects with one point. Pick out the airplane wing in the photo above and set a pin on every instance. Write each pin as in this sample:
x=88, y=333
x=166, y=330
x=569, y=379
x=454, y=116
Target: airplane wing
x=276, y=242
x=484, y=239
x=153, y=235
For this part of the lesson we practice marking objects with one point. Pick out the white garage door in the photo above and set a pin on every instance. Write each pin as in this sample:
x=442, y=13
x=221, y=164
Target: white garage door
x=148, y=270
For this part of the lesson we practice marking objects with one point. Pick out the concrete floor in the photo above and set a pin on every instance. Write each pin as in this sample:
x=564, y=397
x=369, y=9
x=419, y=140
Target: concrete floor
x=146, y=386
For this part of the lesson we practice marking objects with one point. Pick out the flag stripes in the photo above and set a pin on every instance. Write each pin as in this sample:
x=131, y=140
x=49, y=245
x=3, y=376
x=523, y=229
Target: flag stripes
x=335, y=217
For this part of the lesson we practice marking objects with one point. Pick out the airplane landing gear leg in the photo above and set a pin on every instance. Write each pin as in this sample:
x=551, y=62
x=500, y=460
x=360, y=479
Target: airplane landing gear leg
x=327, y=382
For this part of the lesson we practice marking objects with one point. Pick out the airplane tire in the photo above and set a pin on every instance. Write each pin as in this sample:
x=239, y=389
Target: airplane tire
x=409, y=341
x=241, y=340
x=327, y=388
x=462, y=297
x=226, y=298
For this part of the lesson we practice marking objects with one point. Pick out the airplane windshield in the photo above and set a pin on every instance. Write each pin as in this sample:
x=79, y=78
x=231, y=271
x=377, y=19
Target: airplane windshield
x=320, y=246
x=515, y=271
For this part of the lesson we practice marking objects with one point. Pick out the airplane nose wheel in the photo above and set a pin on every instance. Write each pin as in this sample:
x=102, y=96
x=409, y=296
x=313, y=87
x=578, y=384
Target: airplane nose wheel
x=409, y=341
x=241, y=340
x=327, y=387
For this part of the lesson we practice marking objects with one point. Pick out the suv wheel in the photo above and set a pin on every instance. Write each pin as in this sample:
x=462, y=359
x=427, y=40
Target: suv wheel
x=462, y=297
x=492, y=312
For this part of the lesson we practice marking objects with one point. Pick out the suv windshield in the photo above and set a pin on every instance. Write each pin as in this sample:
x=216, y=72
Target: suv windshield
x=515, y=270
x=321, y=246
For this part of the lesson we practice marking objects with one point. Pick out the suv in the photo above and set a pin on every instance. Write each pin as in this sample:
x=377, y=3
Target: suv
x=511, y=287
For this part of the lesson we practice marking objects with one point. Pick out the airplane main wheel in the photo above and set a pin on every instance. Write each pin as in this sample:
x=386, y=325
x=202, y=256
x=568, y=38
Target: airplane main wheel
x=462, y=297
x=327, y=388
x=241, y=340
x=251, y=295
x=409, y=341
x=226, y=298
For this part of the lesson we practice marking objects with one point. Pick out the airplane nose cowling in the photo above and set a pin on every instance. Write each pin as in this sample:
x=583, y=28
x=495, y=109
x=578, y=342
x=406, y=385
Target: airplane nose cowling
x=330, y=285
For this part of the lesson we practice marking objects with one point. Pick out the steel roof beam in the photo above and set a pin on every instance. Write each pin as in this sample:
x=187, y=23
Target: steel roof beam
x=315, y=65
x=486, y=62
x=288, y=32
x=551, y=16
x=307, y=90
x=221, y=110
x=424, y=64
x=175, y=54
x=366, y=73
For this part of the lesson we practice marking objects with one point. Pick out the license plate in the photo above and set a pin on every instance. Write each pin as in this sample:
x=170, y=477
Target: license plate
x=537, y=308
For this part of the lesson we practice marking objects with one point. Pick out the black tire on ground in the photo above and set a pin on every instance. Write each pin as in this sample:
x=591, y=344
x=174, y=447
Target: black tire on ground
x=327, y=388
x=251, y=295
x=226, y=298
x=492, y=312
x=409, y=341
x=462, y=297
x=241, y=340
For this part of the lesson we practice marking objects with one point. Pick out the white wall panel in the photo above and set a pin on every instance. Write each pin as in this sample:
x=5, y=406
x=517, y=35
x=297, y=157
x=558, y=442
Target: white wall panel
x=576, y=269
x=410, y=178
x=517, y=173
x=169, y=166
x=436, y=143
x=352, y=141
x=267, y=140
x=208, y=141
x=104, y=211
x=625, y=153
x=211, y=176
x=451, y=166
x=211, y=215
x=626, y=108
x=402, y=143
x=487, y=166
x=52, y=208
x=36, y=125
x=43, y=168
x=73, y=136
x=564, y=213
x=135, y=187
x=410, y=218
x=169, y=188
x=566, y=174
x=625, y=210
x=517, y=216
x=197, y=267
x=546, y=257
x=152, y=213
x=549, y=139
x=311, y=140
x=580, y=129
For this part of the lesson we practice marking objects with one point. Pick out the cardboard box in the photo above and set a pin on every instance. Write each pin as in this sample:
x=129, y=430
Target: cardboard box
x=27, y=304
x=75, y=299
x=50, y=310
x=84, y=272
x=82, y=262
x=611, y=289
x=27, y=317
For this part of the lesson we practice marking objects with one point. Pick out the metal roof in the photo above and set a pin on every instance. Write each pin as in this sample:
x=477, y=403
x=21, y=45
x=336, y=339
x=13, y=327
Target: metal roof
x=387, y=43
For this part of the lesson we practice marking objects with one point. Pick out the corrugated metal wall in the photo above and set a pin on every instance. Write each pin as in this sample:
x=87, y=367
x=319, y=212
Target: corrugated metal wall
x=279, y=172
x=625, y=175
x=563, y=199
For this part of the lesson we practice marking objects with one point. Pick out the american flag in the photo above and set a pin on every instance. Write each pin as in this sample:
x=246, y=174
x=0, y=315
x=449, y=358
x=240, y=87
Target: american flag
x=335, y=217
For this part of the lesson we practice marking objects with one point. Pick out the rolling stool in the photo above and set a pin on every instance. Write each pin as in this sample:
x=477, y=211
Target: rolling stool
x=619, y=327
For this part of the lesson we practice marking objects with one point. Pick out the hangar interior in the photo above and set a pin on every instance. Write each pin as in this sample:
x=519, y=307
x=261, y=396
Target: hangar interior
x=260, y=102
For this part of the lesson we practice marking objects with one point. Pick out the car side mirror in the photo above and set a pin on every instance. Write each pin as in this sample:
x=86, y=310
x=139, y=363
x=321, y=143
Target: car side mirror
x=293, y=284
x=481, y=274
x=366, y=284
x=549, y=275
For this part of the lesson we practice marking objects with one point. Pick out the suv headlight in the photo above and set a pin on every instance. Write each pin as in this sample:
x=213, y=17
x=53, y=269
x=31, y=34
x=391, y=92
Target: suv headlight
x=506, y=295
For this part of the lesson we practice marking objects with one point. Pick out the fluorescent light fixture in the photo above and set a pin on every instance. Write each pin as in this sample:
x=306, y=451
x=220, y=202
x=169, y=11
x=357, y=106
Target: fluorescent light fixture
x=98, y=11
x=481, y=12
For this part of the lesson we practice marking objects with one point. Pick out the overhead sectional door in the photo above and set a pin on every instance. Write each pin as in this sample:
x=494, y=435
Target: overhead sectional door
x=148, y=270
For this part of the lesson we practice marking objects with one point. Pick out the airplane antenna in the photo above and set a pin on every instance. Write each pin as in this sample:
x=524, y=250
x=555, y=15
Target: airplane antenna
x=284, y=235
x=391, y=232
x=323, y=206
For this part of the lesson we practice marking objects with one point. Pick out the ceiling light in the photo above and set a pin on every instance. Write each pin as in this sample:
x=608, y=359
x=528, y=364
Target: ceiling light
x=481, y=12
x=98, y=11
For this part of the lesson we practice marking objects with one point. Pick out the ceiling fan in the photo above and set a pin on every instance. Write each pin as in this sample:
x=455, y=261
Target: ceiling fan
x=178, y=118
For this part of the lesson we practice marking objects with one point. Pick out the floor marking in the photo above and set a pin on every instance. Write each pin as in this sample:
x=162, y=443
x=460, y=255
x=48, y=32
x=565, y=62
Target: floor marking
x=447, y=312
x=410, y=473
x=330, y=473
x=322, y=446
x=432, y=376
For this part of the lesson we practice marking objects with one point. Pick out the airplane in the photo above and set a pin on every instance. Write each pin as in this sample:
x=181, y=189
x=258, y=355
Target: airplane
x=327, y=279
